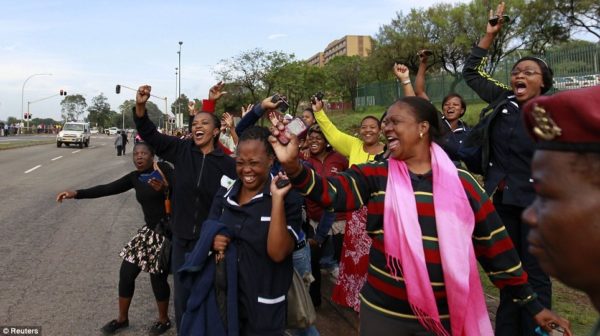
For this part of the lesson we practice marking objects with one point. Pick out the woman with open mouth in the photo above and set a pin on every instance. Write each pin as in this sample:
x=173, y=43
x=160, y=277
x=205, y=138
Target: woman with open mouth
x=430, y=222
x=454, y=107
x=505, y=163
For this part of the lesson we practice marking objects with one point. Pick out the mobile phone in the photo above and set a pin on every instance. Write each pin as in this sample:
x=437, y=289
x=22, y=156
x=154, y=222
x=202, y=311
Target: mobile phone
x=282, y=183
x=317, y=97
x=145, y=177
x=494, y=20
x=296, y=127
x=283, y=106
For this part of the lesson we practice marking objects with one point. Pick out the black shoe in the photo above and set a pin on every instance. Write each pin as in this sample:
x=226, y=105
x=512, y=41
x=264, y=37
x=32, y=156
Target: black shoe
x=113, y=326
x=159, y=328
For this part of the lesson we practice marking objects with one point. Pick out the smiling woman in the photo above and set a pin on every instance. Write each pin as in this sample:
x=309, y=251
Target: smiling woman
x=423, y=213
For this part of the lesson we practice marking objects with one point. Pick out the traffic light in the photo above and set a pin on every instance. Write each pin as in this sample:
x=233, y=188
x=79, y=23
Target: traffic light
x=118, y=89
x=63, y=92
x=27, y=116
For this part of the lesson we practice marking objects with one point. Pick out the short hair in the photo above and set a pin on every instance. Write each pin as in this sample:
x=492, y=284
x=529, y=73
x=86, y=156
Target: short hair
x=141, y=143
x=463, y=104
x=547, y=73
x=257, y=133
x=371, y=117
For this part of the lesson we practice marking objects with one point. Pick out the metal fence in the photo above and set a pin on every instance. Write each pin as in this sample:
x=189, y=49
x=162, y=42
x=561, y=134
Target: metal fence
x=574, y=68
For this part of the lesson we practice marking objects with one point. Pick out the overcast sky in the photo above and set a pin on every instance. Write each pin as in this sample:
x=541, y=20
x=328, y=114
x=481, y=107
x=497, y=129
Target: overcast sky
x=90, y=46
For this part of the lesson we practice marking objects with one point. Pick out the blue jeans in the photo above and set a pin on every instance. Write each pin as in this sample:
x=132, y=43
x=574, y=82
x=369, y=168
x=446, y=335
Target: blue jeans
x=301, y=259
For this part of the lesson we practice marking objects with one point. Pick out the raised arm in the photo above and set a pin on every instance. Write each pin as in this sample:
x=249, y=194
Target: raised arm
x=486, y=87
x=420, y=79
x=403, y=75
x=343, y=192
x=340, y=141
x=280, y=243
x=165, y=146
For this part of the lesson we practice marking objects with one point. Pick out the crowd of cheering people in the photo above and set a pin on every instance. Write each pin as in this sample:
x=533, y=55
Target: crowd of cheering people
x=395, y=210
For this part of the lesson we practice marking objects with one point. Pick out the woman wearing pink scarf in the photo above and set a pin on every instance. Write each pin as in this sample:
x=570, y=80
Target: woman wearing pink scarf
x=430, y=224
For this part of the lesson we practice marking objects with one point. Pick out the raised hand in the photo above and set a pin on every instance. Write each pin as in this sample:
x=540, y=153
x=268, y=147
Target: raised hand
x=286, y=154
x=246, y=109
x=227, y=120
x=494, y=29
x=275, y=190
x=143, y=94
x=424, y=55
x=401, y=72
x=216, y=91
x=317, y=105
x=192, y=108
x=268, y=105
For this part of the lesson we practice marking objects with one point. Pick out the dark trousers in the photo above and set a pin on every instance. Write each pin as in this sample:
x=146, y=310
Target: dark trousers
x=316, y=252
x=119, y=150
x=511, y=319
x=180, y=247
x=373, y=322
x=129, y=272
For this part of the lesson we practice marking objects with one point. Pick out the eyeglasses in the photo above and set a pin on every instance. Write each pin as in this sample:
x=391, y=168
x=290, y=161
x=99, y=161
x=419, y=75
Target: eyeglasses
x=526, y=72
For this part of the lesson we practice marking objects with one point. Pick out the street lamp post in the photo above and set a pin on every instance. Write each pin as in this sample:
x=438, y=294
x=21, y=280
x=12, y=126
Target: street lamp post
x=179, y=116
x=176, y=86
x=23, y=95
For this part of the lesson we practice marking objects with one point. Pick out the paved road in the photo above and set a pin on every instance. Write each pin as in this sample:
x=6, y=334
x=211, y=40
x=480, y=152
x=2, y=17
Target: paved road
x=59, y=263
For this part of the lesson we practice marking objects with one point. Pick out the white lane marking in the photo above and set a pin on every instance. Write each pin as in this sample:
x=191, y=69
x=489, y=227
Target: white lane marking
x=32, y=169
x=77, y=151
x=56, y=158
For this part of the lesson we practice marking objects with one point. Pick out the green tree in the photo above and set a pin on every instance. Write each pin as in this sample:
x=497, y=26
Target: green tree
x=343, y=74
x=299, y=81
x=582, y=15
x=126, y=112
x=99, y=112
x=72, y=107
x=254, y=70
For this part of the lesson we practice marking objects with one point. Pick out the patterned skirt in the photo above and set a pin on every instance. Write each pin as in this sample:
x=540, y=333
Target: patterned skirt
x=144, y=250
x=354, y=261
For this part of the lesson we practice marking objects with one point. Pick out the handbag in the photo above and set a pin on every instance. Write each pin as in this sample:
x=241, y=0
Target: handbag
x=300, y=310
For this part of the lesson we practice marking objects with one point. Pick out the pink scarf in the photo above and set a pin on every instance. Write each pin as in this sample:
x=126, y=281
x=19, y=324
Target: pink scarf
x=405, y=255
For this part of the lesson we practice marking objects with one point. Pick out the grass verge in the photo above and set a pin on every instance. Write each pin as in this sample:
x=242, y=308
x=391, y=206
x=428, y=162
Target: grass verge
x=26, y=143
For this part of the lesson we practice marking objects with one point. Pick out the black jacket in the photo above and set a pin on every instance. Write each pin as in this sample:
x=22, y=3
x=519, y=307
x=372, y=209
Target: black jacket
x=507, y=148
x=197, y=176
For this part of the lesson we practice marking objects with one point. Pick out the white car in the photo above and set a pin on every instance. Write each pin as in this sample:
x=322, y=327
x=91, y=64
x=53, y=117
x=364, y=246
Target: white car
x=112, y=130
x=76, y=133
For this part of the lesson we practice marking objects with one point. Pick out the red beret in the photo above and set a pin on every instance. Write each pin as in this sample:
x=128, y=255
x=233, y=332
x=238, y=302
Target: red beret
x=566, y=121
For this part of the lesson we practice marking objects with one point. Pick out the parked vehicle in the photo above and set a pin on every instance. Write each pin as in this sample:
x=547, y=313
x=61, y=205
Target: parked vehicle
x=566, y=83
x=589, y=80
x=112, y=130
x=76, y=133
